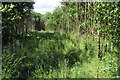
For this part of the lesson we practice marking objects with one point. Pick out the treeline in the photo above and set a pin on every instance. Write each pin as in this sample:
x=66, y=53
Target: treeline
x=86, y=17
x=17, y=19
x=100, y=18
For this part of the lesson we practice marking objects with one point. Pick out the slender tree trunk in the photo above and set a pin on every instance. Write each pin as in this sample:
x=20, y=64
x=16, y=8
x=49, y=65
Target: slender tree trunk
x=77, y=20
x=99, y=49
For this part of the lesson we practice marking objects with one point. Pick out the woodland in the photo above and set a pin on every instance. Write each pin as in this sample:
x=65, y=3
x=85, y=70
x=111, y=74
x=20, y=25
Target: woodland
x=76, y=40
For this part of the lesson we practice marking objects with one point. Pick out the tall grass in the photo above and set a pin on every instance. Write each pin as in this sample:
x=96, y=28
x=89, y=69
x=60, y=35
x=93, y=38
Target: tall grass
x=55, y=55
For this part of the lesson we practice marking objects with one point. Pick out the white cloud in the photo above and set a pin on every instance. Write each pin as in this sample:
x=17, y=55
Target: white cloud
x=43, y=6
x=43, y=10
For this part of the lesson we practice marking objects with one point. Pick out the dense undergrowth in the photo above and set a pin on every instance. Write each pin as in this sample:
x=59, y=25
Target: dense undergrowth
x=48, y=54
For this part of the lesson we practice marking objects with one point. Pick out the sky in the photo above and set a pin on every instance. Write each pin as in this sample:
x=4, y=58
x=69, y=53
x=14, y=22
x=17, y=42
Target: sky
x=42, y=6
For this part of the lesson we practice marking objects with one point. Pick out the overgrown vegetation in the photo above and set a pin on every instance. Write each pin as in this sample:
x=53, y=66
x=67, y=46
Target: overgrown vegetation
x=81, y=41
x=52, y=55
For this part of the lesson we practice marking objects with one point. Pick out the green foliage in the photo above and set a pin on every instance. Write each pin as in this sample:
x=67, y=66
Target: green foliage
x=12, y=11
x=53, y=55
x=79, y=32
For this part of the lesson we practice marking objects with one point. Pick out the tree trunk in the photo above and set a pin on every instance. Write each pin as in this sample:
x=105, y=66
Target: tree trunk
x=99, y=53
